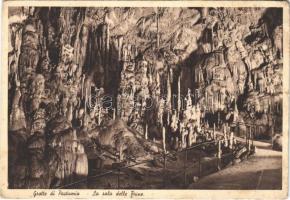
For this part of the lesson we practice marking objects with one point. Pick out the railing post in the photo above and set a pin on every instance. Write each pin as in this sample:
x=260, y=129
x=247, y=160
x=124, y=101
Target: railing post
x=185, y=160
x=250, y=135
x=273, y=128
x=252, y=140
x=164, y=169
x=214, y=130
x=232, y=156
x=120, y=158
x=118, y=180
x=231, y=140
x=247, y=129
x=199, y=166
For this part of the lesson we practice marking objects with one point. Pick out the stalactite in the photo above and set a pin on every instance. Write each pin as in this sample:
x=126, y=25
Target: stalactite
x=79, y=55
x=81, y=45
x=168, y=99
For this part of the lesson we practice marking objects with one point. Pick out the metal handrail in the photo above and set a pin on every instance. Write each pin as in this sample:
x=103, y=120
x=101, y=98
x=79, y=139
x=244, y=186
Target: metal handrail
x=158, y=156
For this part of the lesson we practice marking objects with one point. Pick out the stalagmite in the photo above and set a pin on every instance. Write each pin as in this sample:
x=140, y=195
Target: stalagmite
x=190, y=141
x=86, y=97
x=219, y=101
x=168, y=99
x=120, y=45
x=206, y=98
x=108, y=38
x=68, y=53
x=225, y=128
x=178, y=97
x=212, y=106
x=207, y=124
x=81, y=168
x=194, y=137
x=82, y=85
x=99, y=116
x=168, y=118
x=226, y=140
x=255, y=81
x=231, y=140
x=17, y=116
x=90, y=98
x=219, y=116
x=164, y=138
x=146, y=131
x=249, y=139
x=270, y=105
x=219, y=154
x=214, y=135
x=204, y=13
x=183, y=139
x=70, y=113
x=114, y=113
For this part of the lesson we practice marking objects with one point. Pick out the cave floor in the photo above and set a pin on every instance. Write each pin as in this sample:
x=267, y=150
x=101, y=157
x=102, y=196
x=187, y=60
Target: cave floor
x=263, y=170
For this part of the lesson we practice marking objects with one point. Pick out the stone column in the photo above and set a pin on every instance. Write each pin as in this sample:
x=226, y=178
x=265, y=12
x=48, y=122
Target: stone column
x=164, y=139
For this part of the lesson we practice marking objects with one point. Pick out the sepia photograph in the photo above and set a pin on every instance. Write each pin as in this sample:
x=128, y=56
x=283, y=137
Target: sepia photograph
x=146, y=97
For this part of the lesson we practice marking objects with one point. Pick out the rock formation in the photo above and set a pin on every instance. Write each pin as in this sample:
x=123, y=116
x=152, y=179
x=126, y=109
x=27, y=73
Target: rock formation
x=103, y=76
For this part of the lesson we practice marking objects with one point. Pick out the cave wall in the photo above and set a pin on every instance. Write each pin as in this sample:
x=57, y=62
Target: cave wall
x=226, y=61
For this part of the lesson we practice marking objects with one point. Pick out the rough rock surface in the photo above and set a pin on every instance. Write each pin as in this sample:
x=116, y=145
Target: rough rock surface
x=63, y=63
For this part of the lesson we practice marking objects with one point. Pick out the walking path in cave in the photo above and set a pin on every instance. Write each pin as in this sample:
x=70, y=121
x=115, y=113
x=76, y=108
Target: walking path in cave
x=262, y=170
